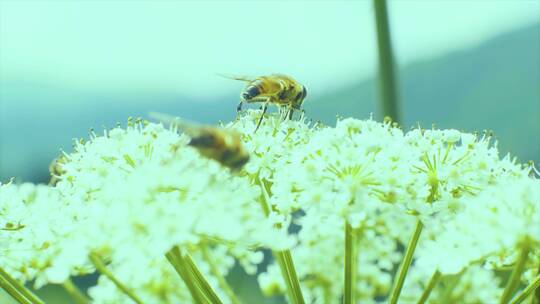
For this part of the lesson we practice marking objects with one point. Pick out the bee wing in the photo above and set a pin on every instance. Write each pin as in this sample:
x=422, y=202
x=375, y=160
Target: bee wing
x=190, y=127
x=236, y=77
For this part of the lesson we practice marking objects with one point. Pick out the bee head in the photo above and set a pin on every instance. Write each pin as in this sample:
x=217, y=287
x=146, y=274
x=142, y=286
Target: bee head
x=250, y=92
x=301, y=96
x=238, y=163
x=304, y=92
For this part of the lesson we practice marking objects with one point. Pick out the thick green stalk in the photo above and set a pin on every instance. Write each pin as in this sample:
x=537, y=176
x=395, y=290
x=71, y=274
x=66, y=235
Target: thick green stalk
x=515, y=277
x=17, y=290
x=288, y=271
x=387, y=79
x=405, y=264
x=349, y=294
x=293, y=277
x=278, y=256
x=13, y=292
x=202, y=283
x=186, y=277
x=76, y=294
x=430, y=286
x=221, y=280
x=528, y=291
x=102, y=268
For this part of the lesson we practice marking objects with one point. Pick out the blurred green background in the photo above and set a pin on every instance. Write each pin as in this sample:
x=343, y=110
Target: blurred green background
x=68, y=66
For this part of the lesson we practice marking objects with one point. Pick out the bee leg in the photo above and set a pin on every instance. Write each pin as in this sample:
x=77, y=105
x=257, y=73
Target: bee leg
x=239, y=108
x=265, y=107
x=285, y=113
x=281, y=112
x=290, y=113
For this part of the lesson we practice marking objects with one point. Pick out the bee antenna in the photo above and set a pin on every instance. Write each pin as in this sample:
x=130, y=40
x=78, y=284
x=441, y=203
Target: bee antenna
x=235, y=77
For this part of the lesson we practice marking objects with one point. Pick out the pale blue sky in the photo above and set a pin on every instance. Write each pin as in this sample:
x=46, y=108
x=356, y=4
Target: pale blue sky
x=178, y=46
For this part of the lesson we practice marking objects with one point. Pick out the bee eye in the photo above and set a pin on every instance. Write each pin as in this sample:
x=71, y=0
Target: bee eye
x=302, y=95
x=250, y=92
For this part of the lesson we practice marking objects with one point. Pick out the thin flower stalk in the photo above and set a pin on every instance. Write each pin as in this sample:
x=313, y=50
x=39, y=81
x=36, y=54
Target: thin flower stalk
x=430, y=286
x=288, y=271
x=75, y=293
x=17, y=290
x=283, y=258
x=13, y=292
x=172, y=257
x=295, y=283
x=513, y=282
x=536, y=297
x=102, y=268
x=350, y=270
x=450, y=285
x=283, y=269
x=203, y=284
x=215, y=272
x=528, y=291
x=197, y=284
x=405, y=264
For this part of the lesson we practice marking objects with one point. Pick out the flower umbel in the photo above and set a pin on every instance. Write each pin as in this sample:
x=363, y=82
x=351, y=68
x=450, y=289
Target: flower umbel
x=336, y=206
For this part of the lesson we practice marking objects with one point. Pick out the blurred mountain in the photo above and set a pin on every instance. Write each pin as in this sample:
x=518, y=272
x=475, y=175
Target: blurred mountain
x=495, y=86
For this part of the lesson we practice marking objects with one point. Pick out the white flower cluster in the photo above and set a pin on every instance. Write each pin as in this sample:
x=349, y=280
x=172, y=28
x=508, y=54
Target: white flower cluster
x=132, y=194
x=496, y=223
x=373, y=176
x=32, y=227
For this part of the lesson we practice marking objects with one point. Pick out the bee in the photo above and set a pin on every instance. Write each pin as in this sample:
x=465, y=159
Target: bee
x=56, y=170
x=221, y=145
x=278, y=89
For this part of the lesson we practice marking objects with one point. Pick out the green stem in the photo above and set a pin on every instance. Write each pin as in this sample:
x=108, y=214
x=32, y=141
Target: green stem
x=13, y=292
x=405, y=264
x=278, y=256
x=450, y=283
x=350, y=270
x=75, y=293
x=102, y=268
x=515, y=277
x=536, y=297
x=264, y=198
x=215, y=272
x=430, y=286
x=295, y=283
x=203, y=284
x=172, y=257
x=283, y=257
x=535, y=284
x=387, y=80
x=14, y=288
x=288, y=271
